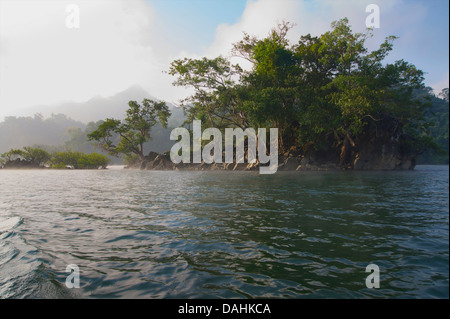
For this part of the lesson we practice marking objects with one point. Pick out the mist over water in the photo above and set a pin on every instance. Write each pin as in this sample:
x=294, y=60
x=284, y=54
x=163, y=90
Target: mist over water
x=216, y=234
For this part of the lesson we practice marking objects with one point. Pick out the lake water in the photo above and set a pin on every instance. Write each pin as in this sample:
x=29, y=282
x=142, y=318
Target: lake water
x=157, y=234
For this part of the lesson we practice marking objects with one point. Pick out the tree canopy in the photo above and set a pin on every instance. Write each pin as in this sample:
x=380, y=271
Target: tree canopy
x=34, y=157
x=128, y=136
x=322, y=92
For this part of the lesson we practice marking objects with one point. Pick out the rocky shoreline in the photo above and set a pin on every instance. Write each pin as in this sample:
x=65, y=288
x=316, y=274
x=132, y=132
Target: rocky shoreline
x=287, y=162
x=372, y=154
x=387, y=159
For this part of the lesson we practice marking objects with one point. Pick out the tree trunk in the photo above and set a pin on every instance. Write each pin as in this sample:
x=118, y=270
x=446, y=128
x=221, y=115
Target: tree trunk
x=141, y=152
x=346, y=152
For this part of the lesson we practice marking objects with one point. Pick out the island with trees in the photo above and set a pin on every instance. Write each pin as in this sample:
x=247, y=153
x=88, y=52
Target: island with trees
x=30, y=157
x=336, y=105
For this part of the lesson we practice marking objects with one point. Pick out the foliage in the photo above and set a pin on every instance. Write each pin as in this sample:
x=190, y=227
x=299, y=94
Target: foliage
x=12, y=155
x=438, y=115
x=133, y=131
x=18, y=131
x=31, y=156
x=319, y=92
x=35, y=157
x=131, y=159
x=78, y=160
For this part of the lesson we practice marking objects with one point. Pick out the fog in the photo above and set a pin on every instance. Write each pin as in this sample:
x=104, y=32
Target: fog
x=64, y=126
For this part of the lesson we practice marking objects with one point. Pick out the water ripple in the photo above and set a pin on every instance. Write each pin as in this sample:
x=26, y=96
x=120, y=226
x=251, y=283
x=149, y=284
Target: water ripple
x=223, y=234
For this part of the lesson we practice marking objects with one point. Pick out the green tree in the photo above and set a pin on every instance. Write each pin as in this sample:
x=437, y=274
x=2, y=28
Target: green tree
x=78, y=160
x=64, y=159
x=28, y=155
x=35, y=156
x=324, y=92
x=128, y=136
x=92, y=161
x=12, y=155
x=215, y=100
x=438, y=115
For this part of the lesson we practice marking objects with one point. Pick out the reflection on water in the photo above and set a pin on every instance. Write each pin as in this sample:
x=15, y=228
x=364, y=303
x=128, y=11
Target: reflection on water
x=150, y=234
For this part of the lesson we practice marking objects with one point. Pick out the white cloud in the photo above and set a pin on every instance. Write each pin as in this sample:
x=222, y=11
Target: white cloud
x=42, y=61
x=258, y=18
x=312, y=17
x=121, y=43
x=397, y=17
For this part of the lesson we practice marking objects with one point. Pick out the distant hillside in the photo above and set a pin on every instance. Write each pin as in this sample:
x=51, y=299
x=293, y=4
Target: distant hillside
x=66, y=125
x=439, y=117
x=17, y=132
x=97, y=108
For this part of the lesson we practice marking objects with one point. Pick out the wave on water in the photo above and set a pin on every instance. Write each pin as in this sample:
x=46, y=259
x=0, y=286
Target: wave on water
x=7, y=224
x=22, y=273
x=158, y=234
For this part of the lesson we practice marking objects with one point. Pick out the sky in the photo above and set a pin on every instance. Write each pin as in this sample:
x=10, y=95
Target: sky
x=45, y=60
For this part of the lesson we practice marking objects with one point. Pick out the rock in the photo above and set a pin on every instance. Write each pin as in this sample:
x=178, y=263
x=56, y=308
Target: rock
x=252, y=166
x=331, y=166
x=240, y=166
x=202, y=166
x=290, y=164
x=387, y=156
x=305, y=167
x=228, y=166
x=304, y=161
x=151, y=156
x=162, y=162
x=181, y=166
x=214, y=167
x=149, y=165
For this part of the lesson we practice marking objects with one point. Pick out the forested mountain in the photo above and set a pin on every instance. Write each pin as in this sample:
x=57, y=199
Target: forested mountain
x=17, y=132
x=438, y=131
x=61, y=133
x=95, y=109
